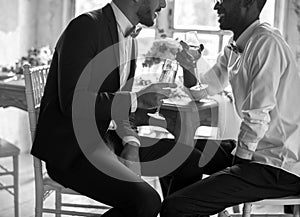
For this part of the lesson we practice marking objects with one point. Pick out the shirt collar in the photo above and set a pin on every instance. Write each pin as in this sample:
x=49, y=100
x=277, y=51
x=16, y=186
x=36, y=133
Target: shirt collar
x=244, y=37
x=122, y=21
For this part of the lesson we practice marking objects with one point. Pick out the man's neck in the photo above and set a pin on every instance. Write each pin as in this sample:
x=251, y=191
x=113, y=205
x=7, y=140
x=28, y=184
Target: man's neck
x=128, y=10
x=241, y=28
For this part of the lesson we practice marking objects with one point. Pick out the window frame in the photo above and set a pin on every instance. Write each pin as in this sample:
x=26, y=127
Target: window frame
x=278, y=23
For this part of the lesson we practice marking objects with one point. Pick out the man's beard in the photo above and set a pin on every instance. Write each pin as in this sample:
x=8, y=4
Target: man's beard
x=229, y=22
x=145, y=17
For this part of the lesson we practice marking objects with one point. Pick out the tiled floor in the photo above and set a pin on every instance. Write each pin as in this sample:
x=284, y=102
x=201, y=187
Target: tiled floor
x=26, y=203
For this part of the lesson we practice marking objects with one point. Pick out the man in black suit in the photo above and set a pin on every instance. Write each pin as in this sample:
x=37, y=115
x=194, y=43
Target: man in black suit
x=76, y=165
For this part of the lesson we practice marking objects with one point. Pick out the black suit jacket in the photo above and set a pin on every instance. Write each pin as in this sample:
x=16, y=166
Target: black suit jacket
x=84, y=38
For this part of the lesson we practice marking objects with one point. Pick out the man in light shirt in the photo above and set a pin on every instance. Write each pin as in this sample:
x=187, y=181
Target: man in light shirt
x=99, y=45
x=261, y=69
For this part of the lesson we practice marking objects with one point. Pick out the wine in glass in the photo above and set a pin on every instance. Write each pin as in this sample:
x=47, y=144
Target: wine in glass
x=194, y=48
x=168, y=75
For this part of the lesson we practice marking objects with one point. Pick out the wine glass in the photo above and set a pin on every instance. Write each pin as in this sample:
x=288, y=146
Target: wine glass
x=194, y=48
x=168, y=75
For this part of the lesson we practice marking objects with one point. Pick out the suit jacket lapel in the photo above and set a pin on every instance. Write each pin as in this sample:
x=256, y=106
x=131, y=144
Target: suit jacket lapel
x=113, y=31
x=112, y=25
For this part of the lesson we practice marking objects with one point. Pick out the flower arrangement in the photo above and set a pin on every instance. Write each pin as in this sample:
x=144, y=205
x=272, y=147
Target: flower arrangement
x=35, y=57
x=164, y=48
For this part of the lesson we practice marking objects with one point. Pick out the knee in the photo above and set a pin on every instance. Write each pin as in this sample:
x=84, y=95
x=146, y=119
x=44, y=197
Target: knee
x=146, y=205
x=172, y=207
x=151, y=205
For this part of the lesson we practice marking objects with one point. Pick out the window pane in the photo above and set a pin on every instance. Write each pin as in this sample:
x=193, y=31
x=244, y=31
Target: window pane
x=210, y=42
x=82, y=6
x=268, y=13
x=194, y=14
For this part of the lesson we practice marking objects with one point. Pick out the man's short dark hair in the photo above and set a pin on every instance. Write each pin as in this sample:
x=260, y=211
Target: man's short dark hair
x=261, y=4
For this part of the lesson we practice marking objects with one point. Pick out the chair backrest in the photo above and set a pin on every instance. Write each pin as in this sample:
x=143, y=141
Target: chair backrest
x=35, y=81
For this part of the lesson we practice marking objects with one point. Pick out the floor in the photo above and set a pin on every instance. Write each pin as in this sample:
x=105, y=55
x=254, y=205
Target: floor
x=27, y=193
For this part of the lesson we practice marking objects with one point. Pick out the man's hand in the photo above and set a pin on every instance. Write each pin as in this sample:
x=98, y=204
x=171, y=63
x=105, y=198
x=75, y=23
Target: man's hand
x=188, y=57
x=238, y=160
x=130, y=157
x=151, y=96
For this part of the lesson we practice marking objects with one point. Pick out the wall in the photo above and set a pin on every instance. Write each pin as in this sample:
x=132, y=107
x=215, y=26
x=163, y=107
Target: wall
x=292, y=27
x=9, y=30
x=295, y=30
x=30, y=23
x=25, y=24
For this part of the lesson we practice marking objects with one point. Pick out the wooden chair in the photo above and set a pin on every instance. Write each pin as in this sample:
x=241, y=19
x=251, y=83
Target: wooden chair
x=35, y=80
x=292, y=200
x=9, y=150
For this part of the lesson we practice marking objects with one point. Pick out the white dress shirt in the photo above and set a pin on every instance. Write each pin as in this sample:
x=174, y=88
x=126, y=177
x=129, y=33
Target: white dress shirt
x=266, y=87
x=125, y=50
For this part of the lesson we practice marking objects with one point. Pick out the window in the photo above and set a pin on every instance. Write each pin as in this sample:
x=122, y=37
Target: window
x=82, y=6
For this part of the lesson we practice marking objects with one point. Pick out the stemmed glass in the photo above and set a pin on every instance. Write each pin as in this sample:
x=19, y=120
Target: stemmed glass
x=194, y=48
x=168, y=75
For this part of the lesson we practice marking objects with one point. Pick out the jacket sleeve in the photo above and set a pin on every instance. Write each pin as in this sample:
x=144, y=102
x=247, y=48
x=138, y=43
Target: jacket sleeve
x=81, y=72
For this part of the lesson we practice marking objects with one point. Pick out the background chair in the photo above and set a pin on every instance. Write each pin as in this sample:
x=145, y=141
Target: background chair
x=292, y=200
x=247, y=207
x=9, y=150
x=35, y=80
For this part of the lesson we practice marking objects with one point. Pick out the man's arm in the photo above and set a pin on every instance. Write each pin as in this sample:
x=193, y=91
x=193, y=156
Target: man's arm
x=264, y=77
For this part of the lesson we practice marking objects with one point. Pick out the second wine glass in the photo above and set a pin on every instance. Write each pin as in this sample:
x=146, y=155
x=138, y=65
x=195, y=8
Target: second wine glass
x=168, y=75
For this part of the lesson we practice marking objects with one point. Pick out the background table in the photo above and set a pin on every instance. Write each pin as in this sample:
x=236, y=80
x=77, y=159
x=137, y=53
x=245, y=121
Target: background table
x=12, y=93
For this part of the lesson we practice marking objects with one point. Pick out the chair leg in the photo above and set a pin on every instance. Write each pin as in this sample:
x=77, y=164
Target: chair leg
x=16, y=184
x=247, y=210
x=224, y=213
x=296, y=210
x=58, y=202
x=236, y=209
x=39, y=200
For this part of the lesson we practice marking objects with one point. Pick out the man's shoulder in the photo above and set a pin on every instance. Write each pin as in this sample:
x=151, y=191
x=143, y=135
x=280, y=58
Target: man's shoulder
x=265, y=33
x=96, y=16
x=265, y=29
x=90, y=16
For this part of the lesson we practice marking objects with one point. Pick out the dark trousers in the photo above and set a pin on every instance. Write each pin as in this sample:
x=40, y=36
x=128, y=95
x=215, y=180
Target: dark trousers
x=226, y=186
x=128, y=199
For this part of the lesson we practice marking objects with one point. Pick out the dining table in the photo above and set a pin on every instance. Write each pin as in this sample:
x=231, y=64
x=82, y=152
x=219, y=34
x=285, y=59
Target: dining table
x=183, y=115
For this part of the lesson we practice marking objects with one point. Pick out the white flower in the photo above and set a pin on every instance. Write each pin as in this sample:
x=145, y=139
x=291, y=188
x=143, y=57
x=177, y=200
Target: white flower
x=165, y=48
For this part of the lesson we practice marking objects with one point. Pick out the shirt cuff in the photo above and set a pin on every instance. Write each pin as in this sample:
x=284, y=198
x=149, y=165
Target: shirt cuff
x=133, y=102
x=127, y=139
x=244, y=153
